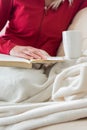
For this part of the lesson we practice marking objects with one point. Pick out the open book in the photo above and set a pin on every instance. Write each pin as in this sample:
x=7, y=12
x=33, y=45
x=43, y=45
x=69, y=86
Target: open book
x=11, y=61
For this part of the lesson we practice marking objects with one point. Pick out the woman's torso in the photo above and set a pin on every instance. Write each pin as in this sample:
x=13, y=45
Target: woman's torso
x=31, y=25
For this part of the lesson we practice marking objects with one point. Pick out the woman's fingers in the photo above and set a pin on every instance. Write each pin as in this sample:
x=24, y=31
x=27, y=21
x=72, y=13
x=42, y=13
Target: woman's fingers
x=25, y=56
x=40, y=54
x=28, y=52
x=32, y=54
x=35, y=53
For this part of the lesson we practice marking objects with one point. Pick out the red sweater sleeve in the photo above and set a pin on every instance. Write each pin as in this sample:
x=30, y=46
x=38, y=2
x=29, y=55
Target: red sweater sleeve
x=5, y=10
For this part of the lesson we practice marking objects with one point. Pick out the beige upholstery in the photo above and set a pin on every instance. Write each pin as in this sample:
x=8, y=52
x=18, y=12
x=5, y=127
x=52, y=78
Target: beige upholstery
x=78, y=23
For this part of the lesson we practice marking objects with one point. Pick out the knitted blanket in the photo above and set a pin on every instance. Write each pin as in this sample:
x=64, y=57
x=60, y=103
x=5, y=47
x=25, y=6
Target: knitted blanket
x=27, y=104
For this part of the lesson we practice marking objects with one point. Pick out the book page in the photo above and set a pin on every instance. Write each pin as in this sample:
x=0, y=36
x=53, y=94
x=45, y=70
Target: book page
x=4, y=57
x=56, y=58
x=49, y=60
x=11, y=61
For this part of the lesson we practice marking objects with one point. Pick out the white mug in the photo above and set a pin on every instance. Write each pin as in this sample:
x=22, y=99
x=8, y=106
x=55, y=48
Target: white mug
x=72, y=41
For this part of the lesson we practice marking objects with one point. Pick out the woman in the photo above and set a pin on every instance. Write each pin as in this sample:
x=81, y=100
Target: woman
x=35, y=25
x=34, y=31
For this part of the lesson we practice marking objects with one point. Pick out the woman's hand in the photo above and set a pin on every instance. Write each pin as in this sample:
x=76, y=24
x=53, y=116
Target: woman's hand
x=28, y=52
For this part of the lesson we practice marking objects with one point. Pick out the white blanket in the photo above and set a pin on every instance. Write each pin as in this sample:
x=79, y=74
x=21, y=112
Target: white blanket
x=26, y=105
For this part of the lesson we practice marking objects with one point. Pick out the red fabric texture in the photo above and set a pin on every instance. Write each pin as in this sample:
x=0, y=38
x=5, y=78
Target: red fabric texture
x=31, y=25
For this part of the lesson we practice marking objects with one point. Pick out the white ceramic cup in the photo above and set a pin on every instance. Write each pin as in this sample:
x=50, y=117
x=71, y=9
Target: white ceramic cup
x=72, y=41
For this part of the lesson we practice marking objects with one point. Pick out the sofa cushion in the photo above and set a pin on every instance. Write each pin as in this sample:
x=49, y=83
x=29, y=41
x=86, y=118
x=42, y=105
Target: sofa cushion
x=79, y=23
